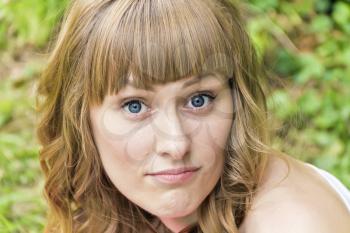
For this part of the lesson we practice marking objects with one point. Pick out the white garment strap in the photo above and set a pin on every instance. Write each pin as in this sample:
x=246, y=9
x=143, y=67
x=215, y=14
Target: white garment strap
x=340, y=188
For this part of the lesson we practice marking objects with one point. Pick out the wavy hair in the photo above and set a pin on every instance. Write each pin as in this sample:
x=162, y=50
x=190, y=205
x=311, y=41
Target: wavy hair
x=102, y=42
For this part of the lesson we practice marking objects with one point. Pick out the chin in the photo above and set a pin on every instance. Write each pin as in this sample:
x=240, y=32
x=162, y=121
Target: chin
x=175, y=213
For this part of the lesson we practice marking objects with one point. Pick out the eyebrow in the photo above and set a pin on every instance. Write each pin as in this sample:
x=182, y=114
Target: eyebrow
x=190, y=82
x=194, y=80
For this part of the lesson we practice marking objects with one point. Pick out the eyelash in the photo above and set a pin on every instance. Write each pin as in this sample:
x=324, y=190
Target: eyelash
x=209, y=94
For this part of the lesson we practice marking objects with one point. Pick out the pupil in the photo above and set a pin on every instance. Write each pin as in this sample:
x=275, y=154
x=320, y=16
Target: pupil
x=134, y=107
x=197, y=101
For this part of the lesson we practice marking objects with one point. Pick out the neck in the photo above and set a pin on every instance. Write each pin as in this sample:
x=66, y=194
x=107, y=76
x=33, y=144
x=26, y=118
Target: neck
x=181, y=224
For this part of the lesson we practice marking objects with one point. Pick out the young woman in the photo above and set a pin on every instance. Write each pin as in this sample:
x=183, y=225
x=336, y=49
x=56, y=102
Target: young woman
x=153, y=119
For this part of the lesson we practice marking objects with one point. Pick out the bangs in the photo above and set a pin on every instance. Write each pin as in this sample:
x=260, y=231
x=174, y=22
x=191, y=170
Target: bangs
x=156, y=42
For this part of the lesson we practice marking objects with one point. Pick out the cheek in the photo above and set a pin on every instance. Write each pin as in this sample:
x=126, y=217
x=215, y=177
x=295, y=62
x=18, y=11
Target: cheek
x=220, y=123
x=131, y=152
x=209, y=153
x=218, y=132
x=124, y=161
x=211, y=140
x=122, y=139
x=123, y=158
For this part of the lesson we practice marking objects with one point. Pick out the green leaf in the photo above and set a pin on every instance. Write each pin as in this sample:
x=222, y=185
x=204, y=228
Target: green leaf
x=310, y=103
x=6, y=109
x=341, y=15
x=265, y=5
x=326, y=119
x=287, y=63
x=312, y=68
x=321, y=24
x=281, y=103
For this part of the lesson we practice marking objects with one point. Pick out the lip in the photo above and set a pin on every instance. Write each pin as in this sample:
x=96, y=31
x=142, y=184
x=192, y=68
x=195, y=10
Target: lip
x=174, y=176
x=176, y=171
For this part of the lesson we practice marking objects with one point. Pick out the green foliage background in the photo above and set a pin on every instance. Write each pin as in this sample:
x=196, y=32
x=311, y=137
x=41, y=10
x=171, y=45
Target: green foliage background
x=304, y=44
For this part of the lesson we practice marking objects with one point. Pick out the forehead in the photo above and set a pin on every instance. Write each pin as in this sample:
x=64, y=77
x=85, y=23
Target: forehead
x=210, y=77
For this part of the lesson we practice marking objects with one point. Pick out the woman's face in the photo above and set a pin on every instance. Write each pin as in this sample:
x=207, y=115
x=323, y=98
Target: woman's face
x=178, y=125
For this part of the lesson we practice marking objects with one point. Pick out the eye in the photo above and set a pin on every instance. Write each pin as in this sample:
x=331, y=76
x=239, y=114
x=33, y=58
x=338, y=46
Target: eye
x=135, y=107
x=198, y=102
x=201, y=101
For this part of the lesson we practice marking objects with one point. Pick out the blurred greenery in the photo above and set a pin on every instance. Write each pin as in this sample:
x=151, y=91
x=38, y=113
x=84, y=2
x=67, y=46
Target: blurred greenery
x=26, y=22
x=304, y=44
x=25, y=29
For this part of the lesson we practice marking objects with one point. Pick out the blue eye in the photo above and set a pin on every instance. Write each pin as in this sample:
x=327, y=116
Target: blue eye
x=134, y=106
x=199, y=102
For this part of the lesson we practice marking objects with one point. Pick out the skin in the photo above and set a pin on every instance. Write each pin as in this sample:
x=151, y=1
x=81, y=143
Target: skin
x=167, y=132
x=303, y=202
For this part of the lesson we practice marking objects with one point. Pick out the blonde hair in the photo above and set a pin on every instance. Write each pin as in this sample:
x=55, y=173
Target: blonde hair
x=100, y=44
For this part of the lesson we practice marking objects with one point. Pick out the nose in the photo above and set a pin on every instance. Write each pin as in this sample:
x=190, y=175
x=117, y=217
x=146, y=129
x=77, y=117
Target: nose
x=171, y=139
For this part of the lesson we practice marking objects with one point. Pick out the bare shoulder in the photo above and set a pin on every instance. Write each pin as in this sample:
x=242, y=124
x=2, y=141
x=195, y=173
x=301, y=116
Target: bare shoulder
x=301, y=203
x=294, y=218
